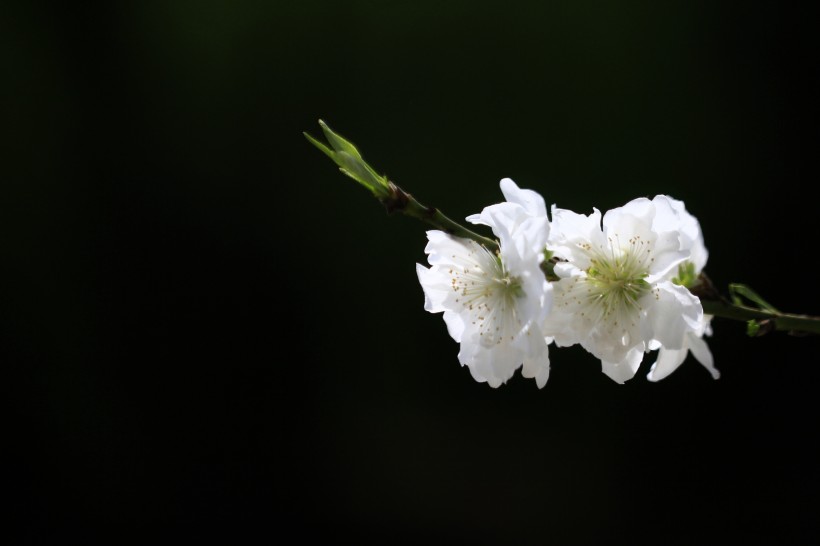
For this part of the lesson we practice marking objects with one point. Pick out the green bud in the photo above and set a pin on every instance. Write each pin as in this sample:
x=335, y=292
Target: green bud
x=686, y=275
x=752, y=328
x=350, y=162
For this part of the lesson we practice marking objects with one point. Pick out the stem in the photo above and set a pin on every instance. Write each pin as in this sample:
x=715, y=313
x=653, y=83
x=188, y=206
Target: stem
x=401, y=201
x=768, y=319
x=776, y=321
x=394, y=199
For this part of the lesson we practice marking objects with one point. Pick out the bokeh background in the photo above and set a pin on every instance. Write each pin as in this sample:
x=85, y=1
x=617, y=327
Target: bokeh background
x=208, y=333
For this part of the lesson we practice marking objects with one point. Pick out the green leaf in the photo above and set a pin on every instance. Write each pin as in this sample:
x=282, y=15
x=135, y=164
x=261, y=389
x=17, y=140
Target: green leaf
x=739, y=291
x=327, y=151
x=339, y=144
x=752, y=328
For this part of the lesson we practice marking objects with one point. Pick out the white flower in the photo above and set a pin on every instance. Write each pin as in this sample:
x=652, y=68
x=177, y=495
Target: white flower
x=494, y=304
x=677, y=217
x=614, y=295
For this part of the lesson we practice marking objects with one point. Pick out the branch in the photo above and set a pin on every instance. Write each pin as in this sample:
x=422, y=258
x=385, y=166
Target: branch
x=760, y=316
x=761, y=319
x=394, y=199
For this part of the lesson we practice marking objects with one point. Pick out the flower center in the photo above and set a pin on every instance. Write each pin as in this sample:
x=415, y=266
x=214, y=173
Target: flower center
x=489, y=292
x=615, y=278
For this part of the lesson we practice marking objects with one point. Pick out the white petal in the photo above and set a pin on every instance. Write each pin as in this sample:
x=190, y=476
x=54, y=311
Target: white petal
x=475, y=219
x=620, y=220
x=667, y=362
x=503, y=218
x=455, y=325
x=434, y=296
x=671, y=215
x=538, y=296
x=570, y=230
x=701, y=352
x=537, y=368
x=530, y=341
x=698, y=255
x=529, y=238
x=517, y=230
x=532, y=202
x=567, y=269
x=445, y=249
x=671, y=312
x=613, y=345
x=624, y=370
x=495, y=365
x=667, y=213
x=435, y=237
x=520, y=223
x=666, y=255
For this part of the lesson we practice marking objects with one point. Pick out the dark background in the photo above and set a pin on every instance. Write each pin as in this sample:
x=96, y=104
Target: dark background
x=209, y=333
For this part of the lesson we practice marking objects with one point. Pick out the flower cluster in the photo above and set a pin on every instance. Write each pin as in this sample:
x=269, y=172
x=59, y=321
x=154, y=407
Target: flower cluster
x=617, y=286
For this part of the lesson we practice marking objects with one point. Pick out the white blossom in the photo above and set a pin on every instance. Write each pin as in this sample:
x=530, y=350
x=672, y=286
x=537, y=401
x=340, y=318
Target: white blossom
x=615, y=296
x=494, y=305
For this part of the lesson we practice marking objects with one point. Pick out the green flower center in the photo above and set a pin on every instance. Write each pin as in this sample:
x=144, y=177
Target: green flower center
x=617, y=283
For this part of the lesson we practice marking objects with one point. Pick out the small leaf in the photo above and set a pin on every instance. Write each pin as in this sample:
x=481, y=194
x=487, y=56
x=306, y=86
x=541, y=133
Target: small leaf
x=327, y=151
x=339, y=144
x=738, y=290
x=752, y=328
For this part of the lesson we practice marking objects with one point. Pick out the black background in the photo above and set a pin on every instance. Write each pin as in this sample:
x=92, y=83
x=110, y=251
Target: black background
x=208, y=333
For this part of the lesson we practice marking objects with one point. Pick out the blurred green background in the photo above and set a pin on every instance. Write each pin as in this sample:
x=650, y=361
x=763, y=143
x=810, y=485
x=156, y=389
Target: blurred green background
x=210, y=333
